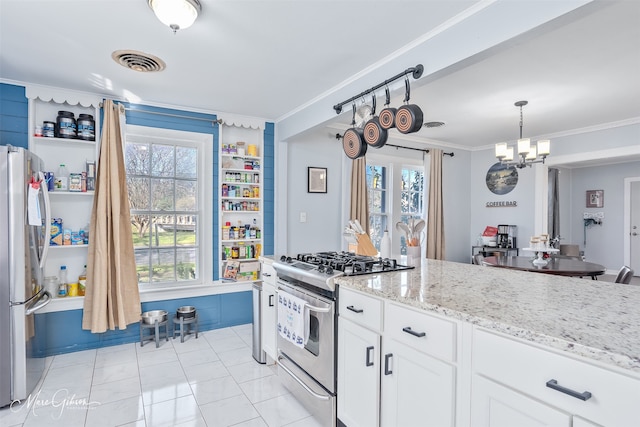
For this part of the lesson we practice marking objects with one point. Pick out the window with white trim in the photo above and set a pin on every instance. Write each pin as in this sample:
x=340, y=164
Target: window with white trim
x=166, y=198
x=396, y=194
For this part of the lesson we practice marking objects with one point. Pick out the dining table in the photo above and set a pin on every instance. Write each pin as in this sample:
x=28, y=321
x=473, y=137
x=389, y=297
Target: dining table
x=559, y=266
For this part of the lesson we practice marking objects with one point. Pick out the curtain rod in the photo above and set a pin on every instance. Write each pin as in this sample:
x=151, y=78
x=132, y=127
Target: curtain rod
x=424, y=150
x=219, y=121
x=416, y=72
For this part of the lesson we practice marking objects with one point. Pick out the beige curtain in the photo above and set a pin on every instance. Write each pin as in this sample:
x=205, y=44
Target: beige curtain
x=435, y=217
x=112, y=299
x=359, y=199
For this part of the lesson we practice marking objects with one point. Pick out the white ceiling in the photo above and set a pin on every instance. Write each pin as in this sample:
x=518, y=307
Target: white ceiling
x=271, y=58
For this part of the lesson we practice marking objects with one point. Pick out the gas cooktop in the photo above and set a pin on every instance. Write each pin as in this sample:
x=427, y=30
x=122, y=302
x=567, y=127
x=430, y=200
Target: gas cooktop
x=321, y=268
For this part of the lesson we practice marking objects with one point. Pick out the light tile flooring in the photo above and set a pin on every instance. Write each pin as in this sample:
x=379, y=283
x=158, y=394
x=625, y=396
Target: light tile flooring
x=209, y=381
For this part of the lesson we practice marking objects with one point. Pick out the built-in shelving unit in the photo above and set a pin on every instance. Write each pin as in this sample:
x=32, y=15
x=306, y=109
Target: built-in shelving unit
x=241, y=210
x=73, y=207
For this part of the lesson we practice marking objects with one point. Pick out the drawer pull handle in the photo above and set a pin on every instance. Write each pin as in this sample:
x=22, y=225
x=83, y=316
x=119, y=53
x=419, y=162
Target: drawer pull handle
x=355, y=310
x=412, y=332
x=369, y=361
x=387, y=371
x=271, y=300
x=266, y=274
x=582, y=396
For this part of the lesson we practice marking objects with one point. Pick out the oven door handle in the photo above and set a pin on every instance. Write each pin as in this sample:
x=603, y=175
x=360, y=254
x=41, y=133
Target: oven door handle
x=299, y=381
x=317, y=309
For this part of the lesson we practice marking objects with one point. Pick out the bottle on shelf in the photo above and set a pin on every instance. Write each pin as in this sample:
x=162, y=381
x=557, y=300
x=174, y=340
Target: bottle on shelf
x=82, y=282
x=62, y=281
x=62, y=178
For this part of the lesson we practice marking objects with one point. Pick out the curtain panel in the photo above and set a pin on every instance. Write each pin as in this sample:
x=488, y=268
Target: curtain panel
x=112, y=299
x=435, y=216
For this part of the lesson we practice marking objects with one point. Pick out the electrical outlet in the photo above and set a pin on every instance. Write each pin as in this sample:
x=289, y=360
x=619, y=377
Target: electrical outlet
x=303, y=217
x=599, y=215
x=587, y=215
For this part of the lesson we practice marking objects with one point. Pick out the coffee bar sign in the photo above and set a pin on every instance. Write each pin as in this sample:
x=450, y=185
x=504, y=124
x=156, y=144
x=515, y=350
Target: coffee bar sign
x=502, y=204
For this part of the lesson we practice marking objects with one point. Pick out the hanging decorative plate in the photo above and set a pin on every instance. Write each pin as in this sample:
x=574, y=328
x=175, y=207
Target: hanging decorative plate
x=501, y=179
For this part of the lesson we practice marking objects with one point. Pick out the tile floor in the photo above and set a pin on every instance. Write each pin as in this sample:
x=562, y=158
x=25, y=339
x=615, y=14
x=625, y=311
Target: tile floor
x=209, y=381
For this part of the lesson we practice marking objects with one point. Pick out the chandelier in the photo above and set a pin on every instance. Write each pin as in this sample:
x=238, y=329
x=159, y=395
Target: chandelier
x=527, y=154
x=176, y=14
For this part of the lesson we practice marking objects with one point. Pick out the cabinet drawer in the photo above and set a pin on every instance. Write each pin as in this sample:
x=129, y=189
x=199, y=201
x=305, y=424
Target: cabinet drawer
x=407, y=326
x=268, y=274
x=528, y=368
x=360, y=308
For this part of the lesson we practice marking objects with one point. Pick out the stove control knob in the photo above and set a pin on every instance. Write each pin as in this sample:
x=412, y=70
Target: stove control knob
x=321, y=268
x=329, y=270
x=283, y=258
x=289, y=260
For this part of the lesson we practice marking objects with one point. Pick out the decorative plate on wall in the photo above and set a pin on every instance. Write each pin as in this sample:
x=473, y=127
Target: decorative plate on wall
x=501, y=179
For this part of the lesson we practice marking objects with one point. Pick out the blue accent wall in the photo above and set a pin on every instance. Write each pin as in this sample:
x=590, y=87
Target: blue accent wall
x=14, y=116
x=61, y=331
x=268, y=188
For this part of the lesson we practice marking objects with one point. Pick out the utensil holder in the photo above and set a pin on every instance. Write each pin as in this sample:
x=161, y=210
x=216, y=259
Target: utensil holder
x=414, y=256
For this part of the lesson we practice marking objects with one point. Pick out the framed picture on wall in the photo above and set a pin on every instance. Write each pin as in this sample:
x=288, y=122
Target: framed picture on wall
x=595, y=198
x=316, y=180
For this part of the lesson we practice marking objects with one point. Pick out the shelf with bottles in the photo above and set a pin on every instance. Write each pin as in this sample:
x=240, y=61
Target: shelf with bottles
x=241, y=177
x=44, y=140
x=240, y=191
x=241, y=270
x=240, y=163
x=241, y=207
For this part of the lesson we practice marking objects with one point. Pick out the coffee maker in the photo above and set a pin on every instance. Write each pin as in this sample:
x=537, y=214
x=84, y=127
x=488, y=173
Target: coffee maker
x=502, y=238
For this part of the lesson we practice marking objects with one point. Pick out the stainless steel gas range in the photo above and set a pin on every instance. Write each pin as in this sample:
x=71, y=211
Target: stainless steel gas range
x=308, y=323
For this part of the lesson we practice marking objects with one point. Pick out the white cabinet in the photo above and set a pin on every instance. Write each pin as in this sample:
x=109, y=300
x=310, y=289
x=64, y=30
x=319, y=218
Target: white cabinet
x=78, y=155
x=358, y=374
x=268, y=320
x=241, y=210
x=515, y=380
x=386, y=375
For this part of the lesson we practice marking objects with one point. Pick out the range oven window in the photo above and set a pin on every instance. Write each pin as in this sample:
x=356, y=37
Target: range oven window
x=313, y=343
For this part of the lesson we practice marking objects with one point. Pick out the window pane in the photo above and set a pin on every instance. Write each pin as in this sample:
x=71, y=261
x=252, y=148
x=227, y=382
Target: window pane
x=186, y=166
x=162, y=194
x=139, y=195
x=186, y=196
x=163, y=261
x=375, y=202
x=186, y=264
x=163, y=231
x=137, y=159
x=140, y=226
x=186, y=230
x=142, y=265
x=162, y=160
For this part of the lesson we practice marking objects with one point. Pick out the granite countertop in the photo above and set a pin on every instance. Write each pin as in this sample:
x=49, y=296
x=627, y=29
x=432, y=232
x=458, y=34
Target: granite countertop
x=594, y=319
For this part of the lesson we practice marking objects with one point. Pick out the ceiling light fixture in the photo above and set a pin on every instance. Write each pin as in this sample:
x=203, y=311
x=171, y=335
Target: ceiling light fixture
x=176, y=14
x=527, y=154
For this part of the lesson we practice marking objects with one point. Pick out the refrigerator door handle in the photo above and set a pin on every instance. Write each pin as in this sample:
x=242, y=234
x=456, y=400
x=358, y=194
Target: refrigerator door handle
x=47, y=220
x=35, y=305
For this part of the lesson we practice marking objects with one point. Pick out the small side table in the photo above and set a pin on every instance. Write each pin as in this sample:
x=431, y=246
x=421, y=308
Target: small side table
x=185, y=326
x=155, y=332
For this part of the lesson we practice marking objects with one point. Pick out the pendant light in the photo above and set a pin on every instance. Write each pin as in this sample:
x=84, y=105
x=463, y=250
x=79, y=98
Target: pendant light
x=527, y=154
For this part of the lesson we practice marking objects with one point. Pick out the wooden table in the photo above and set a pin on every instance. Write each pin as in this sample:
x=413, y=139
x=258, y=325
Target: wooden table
x=558, y=266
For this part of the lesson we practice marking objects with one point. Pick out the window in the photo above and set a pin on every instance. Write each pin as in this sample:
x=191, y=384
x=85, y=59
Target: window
x=377, y=194
x=164, y=178
x=411, y=197
x=396, y=194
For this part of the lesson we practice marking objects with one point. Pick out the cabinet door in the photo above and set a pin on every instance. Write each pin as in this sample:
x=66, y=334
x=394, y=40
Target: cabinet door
x=493, y=405
x=417, y=389
x=358, y=370
x=268, y=321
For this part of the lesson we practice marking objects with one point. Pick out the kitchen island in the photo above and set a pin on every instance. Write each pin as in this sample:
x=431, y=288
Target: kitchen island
x=565, y=350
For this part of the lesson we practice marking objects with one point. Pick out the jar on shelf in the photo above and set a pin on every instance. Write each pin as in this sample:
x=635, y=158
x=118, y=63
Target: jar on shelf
x=240, y=148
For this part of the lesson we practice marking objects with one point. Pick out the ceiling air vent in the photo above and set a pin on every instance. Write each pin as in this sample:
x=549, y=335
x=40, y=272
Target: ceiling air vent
x=138, y=61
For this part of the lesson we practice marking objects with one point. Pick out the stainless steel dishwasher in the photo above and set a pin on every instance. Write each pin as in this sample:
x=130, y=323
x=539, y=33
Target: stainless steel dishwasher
x=257, y=351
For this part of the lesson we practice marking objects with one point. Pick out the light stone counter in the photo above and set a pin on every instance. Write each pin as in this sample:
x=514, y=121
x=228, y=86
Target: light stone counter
x=593, y=319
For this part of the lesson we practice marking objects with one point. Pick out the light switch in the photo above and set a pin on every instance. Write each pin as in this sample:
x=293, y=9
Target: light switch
x=303, y=217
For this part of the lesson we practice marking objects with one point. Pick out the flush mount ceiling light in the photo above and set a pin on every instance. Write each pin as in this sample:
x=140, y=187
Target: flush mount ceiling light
x=176, y=14
x=527, y=154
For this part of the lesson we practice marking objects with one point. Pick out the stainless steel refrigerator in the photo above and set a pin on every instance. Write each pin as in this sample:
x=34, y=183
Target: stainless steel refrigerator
x=25, y=222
